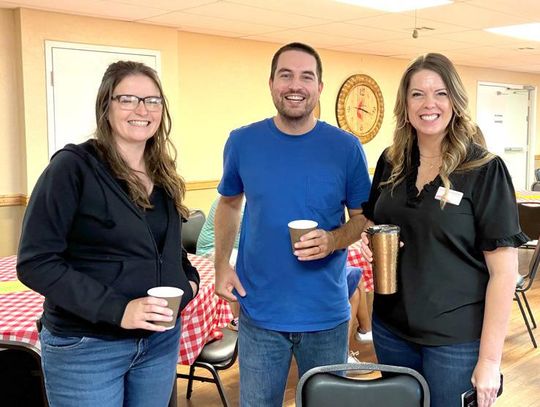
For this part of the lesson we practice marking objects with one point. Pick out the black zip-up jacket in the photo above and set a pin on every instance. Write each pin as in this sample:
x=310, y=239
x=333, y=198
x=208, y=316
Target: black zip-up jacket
x=88, y=249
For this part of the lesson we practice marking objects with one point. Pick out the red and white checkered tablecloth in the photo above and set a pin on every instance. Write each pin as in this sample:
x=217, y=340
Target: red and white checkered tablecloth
x=18, y=310
x=200, y=319
x=203, y=316
x=355, y=259
x=7, y=268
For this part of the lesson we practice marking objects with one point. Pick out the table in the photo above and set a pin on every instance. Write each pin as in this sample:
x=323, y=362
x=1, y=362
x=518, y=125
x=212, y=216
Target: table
x=20, y=307
x=528, y=196
x=355, y=259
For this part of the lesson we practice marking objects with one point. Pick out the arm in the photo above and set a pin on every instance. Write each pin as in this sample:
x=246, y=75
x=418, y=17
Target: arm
x=320, y=243
x=191, y=273
x=502, y=264
x=226, y=223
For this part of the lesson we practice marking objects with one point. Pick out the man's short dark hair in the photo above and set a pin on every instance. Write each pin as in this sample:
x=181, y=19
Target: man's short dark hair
x=297, y=46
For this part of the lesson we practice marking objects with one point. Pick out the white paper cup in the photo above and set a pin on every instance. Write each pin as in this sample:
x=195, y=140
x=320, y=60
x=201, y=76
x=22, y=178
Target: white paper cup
x=173, y=295
x=298, y=228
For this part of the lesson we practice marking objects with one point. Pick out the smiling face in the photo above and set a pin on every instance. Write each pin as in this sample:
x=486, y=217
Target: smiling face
x=295, y=87
x=429, y=108
x=131, y=127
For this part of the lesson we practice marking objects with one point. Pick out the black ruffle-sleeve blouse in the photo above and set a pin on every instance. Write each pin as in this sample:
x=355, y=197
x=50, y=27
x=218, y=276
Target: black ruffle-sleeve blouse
x=442, y=273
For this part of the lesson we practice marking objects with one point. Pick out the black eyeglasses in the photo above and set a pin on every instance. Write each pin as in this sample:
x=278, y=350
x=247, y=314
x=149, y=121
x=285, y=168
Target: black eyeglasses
x=130, y=102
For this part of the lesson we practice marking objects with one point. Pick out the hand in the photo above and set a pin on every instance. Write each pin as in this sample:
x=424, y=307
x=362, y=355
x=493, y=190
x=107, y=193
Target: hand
x=486, y=379
x=226, y=281
x=315, y=245
x=140, y=313
x=366, y=250
x=364, y=247
x=194, y=288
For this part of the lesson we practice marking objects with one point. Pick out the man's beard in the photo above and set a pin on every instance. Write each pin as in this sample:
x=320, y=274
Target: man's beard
x=294, y=115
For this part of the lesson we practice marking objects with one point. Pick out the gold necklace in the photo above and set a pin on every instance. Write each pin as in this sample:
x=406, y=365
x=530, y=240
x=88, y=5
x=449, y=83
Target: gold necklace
x=431, y=164
x=427, y=156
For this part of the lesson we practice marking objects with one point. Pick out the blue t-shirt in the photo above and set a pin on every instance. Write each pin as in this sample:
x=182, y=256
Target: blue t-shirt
x=310, y=176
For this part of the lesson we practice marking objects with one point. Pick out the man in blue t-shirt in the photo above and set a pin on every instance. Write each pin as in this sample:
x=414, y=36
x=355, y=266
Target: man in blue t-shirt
x=289, y=167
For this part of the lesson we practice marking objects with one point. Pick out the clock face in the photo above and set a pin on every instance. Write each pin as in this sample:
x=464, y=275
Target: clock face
x=360, y=107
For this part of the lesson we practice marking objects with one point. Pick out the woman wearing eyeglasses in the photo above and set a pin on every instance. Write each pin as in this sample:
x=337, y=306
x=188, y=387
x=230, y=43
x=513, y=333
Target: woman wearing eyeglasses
x=103, y=225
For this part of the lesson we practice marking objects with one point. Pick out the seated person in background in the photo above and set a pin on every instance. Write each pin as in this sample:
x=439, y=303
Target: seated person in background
x=206, y=247
x=354, y=275
x=361, y=305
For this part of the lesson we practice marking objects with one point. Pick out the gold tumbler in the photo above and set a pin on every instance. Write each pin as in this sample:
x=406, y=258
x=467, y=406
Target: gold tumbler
x=384, y=242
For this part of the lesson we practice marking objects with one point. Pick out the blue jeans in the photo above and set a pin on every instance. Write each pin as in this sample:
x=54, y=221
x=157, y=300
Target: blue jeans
x=265, y=358
x=447, y=369
x=90, y=372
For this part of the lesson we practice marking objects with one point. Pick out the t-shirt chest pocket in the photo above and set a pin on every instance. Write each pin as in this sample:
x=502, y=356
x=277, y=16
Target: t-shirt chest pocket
x=324, y=192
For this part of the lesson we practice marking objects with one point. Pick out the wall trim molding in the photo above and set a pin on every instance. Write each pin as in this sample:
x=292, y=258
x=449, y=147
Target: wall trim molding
x=13, y=200
x=199, y=185
x=22, y=200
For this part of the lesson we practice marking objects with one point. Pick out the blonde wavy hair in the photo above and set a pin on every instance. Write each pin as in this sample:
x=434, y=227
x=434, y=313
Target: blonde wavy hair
x=159, y=153
x=461, y=132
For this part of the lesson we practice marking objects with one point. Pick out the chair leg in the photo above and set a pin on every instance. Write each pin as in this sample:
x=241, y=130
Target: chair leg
x=528, y=309
x=525, y=319
x=190, y=382
x=219, y=384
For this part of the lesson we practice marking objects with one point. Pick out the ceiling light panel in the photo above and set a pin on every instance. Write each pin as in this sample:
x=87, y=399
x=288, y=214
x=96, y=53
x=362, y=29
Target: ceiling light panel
x=530, y=31
x=394, y=6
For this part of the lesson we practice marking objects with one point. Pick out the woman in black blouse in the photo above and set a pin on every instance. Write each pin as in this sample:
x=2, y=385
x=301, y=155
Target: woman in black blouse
x=455, y=204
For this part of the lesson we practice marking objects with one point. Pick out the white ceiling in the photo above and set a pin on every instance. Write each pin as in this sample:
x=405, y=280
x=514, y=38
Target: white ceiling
x=457, y=28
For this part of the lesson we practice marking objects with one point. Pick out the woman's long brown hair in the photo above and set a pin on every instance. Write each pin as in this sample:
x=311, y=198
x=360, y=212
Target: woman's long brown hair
x=160, y=153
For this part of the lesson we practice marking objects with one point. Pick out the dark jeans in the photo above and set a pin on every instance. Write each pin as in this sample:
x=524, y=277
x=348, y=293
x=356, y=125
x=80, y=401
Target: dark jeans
x=265, y=359
x=447, y=369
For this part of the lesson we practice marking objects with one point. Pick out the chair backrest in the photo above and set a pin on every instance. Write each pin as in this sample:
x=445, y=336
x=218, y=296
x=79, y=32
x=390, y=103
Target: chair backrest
x=534, y=265
x=21, y=378
x=529, y=218
x=191, y=230
x=324, y=386
x=535, y=186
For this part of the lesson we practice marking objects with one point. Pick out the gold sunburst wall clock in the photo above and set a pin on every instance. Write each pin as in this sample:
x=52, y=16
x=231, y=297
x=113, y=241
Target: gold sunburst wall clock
x=360, y=107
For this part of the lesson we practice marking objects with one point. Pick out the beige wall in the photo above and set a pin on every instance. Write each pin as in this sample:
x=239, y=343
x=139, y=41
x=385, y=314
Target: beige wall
x=11, y=157
x=214, y=85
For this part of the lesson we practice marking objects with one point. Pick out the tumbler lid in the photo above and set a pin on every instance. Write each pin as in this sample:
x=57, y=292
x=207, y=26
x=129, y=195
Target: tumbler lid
x=383, y=229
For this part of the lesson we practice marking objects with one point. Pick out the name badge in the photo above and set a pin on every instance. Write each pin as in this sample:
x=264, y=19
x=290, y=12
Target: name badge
x=453, y=197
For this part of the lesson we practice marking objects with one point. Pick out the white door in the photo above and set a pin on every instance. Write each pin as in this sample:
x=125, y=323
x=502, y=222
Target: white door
x=503, y=117
x=74, y=75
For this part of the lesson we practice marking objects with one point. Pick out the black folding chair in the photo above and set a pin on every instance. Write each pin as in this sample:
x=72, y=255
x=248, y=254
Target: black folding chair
x=328, y=386
x=21, y=376
x=191, y=230
x=216, y=355
x=523, y=285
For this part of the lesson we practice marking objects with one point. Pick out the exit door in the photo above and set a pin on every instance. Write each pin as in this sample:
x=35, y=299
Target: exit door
x=503, y=117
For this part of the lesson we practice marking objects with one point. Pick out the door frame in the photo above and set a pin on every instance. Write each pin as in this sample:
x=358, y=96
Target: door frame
x=531, y=126
x=49, y=80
